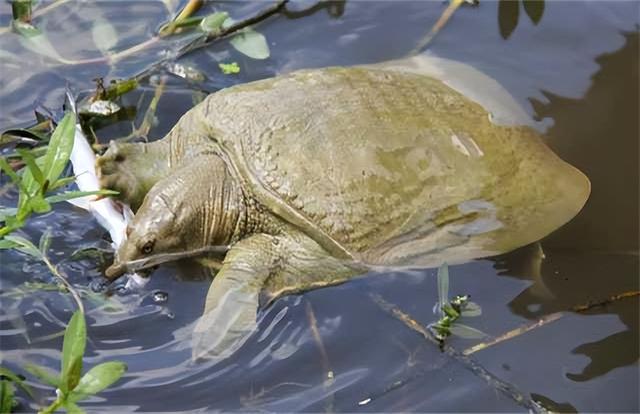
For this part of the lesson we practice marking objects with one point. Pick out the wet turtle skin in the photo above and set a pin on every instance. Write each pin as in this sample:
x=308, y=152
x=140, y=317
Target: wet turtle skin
x=319, y=175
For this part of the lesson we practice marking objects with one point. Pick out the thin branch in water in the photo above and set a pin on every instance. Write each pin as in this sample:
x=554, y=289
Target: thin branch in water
x=442, y=21
x=211, y=37
x=494, y=382
x=326, y=367
x=313, y=323
x=65, y=282
x=552, y=317
x=513, y=333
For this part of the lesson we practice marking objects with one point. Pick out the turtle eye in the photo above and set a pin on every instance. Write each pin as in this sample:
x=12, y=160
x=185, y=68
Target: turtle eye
x=147, y=247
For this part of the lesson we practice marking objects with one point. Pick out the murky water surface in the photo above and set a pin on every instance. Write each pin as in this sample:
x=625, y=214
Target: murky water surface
x=577, y=70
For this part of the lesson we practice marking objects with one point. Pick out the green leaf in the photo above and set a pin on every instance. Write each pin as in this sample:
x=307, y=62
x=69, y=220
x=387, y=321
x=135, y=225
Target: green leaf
x=33, y=39
x=45, y=242
x=60, y=147
x=251, y=43
x=467, y=332
x=119, y=88
x=25, y=246
x=104, y=35
x=7, y=211
x=38, y=204
x=68, y=195
x=16, y=380
x=6, y=396
x=62, y=182
x=43, y=374
x=72, y=408
x=97, y=379
x=75, y=338
x=21, y=10
x=534, y=9
x=471, y=309
x=508, y=12
x=4, y=165
x=30, y=161
x=7, y=244
x=229, y=68
x=443, y=286
x=213, y=22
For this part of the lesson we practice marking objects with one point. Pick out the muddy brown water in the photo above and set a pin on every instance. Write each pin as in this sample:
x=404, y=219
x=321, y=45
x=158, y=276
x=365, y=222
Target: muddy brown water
x=577, y=70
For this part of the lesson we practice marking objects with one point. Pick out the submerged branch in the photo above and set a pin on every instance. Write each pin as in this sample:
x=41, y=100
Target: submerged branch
x=65, y=283
x=442, y=21
x=326, y=367
x=496, y=383
x=211, y=37
x=546, y=320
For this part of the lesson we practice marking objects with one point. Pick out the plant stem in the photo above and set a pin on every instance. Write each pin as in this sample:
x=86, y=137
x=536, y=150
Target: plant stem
x=53, y=407
x=65, y=282
x=494, y=382
x=38, y=12
x=546, y=320
x=444, y=18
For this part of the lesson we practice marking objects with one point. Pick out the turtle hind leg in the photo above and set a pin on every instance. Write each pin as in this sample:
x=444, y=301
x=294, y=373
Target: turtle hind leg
x=132, y=169
x=257, y=270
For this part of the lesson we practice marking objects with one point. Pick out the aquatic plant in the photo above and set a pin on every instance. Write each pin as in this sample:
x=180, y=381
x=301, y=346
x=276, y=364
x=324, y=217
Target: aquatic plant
x=71, y=386
x=451, y=310
x=40, y=177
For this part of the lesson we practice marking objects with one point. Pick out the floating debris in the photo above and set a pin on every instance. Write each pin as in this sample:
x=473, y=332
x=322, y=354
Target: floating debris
x=160, y=296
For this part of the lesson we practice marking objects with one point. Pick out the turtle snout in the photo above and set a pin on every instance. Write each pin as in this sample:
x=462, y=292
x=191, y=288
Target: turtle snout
x=115, y=271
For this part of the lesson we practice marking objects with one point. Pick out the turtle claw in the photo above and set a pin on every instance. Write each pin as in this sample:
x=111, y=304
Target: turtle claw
x=122, y=168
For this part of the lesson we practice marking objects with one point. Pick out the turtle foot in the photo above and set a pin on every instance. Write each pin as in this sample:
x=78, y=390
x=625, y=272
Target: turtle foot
x=125, y=168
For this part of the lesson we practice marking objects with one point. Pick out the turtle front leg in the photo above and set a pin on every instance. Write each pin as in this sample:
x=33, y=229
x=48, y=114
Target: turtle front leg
x=132, y=169
x=255, y=272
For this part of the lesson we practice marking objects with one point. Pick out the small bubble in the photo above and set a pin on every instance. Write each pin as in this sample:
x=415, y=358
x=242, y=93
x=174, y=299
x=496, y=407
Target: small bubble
x=160, y=296
x=98, y=285
x=37, y=324
x=169, y=314
x=121, y=290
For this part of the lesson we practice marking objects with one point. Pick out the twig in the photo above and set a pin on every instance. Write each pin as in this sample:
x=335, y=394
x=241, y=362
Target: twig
x=65, y=282
x=210, y=37
x=189, y=9
x=204, y=40
x=507, y=389
x=513, y=333
x=546, y=320
x=604, y=302
x=444, y=18
x=313, y=323
x=147, y=120
x=326, y=367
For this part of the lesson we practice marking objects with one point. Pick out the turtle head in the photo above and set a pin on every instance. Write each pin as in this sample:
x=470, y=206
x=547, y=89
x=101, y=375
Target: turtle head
x=154, y=232
x=194, y=211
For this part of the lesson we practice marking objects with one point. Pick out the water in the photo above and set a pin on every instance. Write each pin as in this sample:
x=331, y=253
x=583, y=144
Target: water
x=577, y=71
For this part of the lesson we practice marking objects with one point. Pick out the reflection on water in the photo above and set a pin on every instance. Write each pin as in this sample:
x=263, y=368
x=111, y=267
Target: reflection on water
x=588, y=71
x=601, y=243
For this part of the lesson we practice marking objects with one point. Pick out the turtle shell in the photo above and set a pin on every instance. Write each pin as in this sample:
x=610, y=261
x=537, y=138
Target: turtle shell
x=390, y=168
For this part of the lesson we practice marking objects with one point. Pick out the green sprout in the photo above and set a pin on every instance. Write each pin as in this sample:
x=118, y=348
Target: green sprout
x=452, y=310
x=71, y=385
x=229, y=68
x=40, y=177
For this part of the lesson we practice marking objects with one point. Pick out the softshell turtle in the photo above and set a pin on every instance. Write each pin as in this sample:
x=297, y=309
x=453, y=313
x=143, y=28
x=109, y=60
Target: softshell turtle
x=318, y=175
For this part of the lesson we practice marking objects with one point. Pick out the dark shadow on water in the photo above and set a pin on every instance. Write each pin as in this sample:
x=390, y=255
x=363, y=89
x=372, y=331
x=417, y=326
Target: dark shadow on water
x=598, y=134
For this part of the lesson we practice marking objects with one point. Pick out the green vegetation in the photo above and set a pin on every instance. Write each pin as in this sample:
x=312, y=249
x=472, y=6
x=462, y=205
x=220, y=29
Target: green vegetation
x=40, y=177
x=229, y=68
x=451, y=311
x=71, y=386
